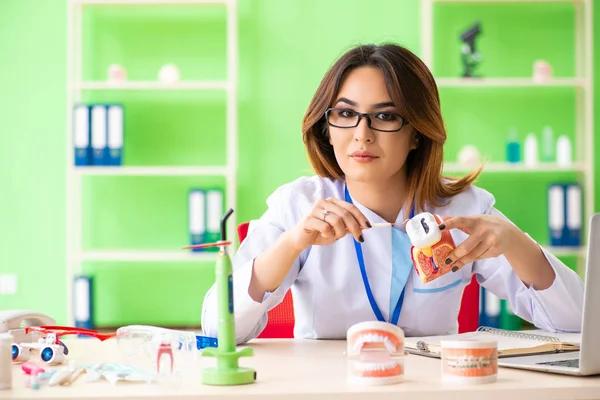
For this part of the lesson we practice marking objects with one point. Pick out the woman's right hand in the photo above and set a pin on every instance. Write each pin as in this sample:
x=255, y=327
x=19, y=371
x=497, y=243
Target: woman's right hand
x=329, y=220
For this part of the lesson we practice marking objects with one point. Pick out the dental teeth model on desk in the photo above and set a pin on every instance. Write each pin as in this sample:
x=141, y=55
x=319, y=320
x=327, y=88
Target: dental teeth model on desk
x=375, y=353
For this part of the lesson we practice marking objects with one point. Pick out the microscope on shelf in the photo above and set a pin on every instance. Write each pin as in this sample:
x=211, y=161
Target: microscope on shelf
x=470, y=56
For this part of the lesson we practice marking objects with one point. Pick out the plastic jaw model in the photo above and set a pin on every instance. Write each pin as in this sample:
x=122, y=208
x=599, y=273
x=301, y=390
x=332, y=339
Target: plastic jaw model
x=431, y=246
x=375, y=353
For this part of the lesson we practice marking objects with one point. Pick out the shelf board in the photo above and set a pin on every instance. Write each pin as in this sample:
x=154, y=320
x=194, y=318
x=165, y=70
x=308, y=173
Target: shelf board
x=508, y=82
x=153, y=85
x=565, y=251
x=147, y=255
x=147, y=2
x=508, y=1
x=519, y=167
x=153, y=171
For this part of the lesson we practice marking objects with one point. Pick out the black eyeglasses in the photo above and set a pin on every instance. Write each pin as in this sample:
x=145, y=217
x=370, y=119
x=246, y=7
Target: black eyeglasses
x=383, y=121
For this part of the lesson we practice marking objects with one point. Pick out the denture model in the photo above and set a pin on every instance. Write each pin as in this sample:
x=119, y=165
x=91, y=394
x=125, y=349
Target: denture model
x=431, y=246
x=375, y=353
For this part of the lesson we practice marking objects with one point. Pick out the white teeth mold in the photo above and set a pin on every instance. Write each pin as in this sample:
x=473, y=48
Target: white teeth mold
x=431, y=246
x=375, y=353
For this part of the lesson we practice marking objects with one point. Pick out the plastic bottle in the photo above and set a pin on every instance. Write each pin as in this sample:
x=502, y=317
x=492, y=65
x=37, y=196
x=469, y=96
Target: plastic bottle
x=6, y=341
x=548, y=145
x=531, y=150
x=513, y=148
x=563, y=151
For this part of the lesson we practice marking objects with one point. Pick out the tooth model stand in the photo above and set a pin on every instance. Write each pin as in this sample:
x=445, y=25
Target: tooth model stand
x=227, y=370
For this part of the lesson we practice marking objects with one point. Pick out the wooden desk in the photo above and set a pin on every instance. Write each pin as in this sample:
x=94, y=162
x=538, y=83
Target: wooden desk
x=288, y=369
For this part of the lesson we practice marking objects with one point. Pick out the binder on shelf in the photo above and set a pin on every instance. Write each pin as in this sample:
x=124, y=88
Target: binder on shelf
x=82, y=302
x=115, y=134
x=99, y=135
x=556, y=214
x=214, y=213
x=81, y=135
x=490, y=309
x=574, y=215
x=197, y=217
x=565, y=214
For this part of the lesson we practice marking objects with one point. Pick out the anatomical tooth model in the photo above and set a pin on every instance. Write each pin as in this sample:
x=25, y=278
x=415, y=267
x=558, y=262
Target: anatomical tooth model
x=431, y=246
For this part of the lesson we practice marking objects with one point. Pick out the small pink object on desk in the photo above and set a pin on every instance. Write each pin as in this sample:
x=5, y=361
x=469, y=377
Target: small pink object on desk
x=31, y=368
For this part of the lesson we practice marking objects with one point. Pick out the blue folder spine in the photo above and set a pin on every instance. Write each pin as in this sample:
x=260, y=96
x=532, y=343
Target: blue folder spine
x=556, y=214
x=99, y=135
x=115, y=134
x=489, y=309
x=573, y=214
x=81, y=135
x=197, y=217
x=82, y=302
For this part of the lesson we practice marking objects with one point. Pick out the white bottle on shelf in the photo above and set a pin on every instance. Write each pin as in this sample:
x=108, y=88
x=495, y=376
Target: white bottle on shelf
x=547, y=144
x=563, y=151
x=531, y=151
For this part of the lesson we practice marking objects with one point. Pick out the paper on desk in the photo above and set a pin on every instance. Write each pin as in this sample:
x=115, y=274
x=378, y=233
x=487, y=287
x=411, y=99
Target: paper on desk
x=114, y=372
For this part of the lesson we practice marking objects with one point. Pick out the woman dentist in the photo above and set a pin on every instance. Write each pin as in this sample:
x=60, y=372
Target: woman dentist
x=374, y=134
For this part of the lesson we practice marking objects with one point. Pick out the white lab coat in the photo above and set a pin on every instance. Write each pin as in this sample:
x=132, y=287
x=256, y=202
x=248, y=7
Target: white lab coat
x=329, y=293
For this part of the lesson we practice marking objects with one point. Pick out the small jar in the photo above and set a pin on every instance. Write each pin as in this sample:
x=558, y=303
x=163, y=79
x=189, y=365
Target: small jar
x=469, y=361
x=6, y=341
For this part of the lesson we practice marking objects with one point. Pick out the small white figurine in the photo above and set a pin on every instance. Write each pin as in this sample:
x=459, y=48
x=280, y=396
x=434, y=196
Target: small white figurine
x=542, y=71
x=168, y=74
x=469, y=156
x=116, y=74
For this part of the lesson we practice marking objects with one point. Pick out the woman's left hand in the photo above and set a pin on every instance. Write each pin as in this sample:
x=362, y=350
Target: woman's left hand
x=489, y=236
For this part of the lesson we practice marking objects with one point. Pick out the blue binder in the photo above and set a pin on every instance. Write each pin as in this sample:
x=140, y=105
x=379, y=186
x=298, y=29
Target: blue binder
x=573, y=214
x=556, y=214
x=115, y=120
x=82, y=302
x=489, y=309
x=81, y=135
x=197, y=217
x=99, y=124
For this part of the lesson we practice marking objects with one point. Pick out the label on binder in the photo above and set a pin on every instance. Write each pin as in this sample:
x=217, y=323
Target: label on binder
x=197, y=217
x=115, y=134
x=81, y=135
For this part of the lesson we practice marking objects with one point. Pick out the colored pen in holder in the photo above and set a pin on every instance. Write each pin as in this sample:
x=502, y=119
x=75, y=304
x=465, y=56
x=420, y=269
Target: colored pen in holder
x=227, y=370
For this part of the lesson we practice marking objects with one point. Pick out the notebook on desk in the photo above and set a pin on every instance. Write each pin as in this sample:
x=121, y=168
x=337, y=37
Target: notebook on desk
x=510, y=343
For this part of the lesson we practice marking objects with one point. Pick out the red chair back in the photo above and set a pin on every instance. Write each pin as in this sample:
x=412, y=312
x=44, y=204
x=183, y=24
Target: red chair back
x=468, y=315
x=281, y=318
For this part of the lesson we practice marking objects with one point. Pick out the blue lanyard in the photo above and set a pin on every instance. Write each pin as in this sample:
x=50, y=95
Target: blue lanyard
x=363, y=272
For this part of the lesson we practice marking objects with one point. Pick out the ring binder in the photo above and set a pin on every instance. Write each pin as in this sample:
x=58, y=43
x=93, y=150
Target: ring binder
x=517, y=334
x=510, y=343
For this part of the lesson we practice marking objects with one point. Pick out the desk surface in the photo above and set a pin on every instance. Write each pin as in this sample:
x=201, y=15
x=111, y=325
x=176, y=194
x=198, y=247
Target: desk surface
x=299, y=369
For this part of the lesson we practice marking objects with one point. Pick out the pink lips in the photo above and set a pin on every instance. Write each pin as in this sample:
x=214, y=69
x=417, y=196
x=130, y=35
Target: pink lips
x=363, y=156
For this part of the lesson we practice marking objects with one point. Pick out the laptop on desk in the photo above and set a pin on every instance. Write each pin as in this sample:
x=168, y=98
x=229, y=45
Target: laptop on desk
x=587, y=360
